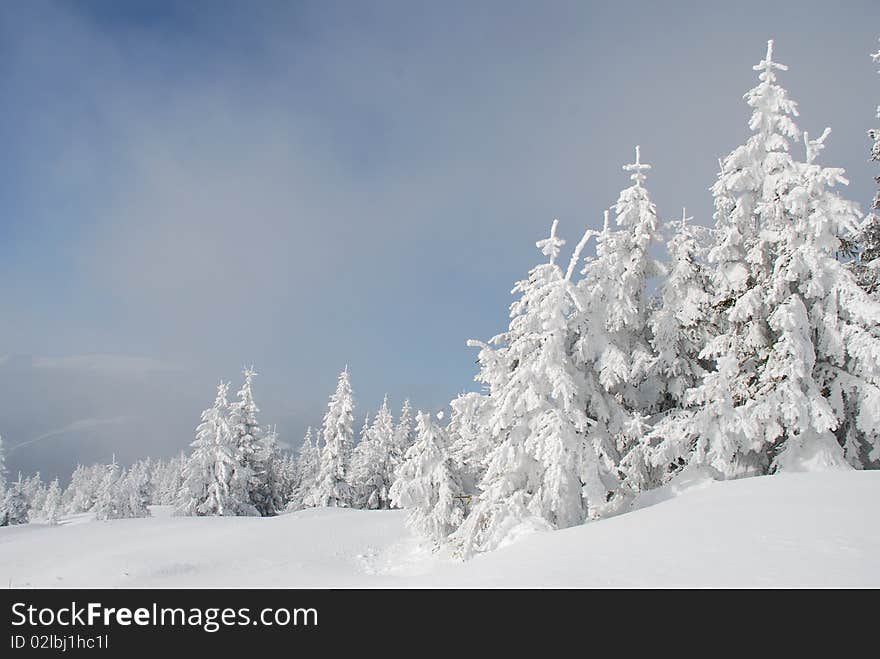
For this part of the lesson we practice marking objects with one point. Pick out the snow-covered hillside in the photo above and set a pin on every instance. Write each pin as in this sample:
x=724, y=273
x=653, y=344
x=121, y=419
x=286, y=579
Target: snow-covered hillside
x=820, y=529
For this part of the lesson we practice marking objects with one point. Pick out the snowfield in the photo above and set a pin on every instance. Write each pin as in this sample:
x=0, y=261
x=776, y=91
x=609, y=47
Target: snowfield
x=818, y=529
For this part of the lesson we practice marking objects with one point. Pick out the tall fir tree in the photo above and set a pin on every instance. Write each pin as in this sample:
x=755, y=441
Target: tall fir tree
x=332, y=487
x=248, y=438
x=796, y=359
x=624, y=299
x=215, y=482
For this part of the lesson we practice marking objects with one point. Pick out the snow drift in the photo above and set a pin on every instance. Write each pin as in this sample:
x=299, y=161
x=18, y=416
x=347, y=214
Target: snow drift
x=818, y=529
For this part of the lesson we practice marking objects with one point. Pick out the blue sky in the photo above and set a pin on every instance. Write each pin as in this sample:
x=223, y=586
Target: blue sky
x=305, y=185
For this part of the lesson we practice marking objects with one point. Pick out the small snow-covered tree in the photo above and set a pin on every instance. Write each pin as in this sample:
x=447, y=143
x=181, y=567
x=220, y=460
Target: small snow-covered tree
x=427, y=486
x=308, y=463
x=374, y=471
x=107, y=499
x=333, y=488
x=134, y=492
x=15, y=507
x=403, y=437
x=364, y=459
x=168, y=480
x=82, y=492
x=543, y=469
x=34, y=493
x=273, y=463
x=52, y=503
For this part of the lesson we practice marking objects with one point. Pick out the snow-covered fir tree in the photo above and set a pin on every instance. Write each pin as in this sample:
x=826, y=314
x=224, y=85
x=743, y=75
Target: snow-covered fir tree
x=168, y=479
x=680, y=325
x=107, y=498
x=134, y=492
x=600, y=338
x=250, y=449
x=403, y=437
x=866, y=265
x=797, y=359
x=748, y=200
x=332, y=487
x=363, y=459
x=15, y=506
x=288, y=479
x=308, y=464
x=614, y=292
x=274, y=482
x=427, y=486
x=544, y=467
x=215, y=482
x=34, y=493
x=374, y=465
x=82, y=492
x=469, y=445
x=612, y=328
x=52, y=504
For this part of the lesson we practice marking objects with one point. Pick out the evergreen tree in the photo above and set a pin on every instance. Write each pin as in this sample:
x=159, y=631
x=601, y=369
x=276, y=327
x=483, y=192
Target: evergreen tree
x=52, y=504
x=134, y=492
x=796, y=360
x=615, y=292
x=168, y=480
x=866, y=266
x=82, y=492
x=274, y=466
x=364, y=460
x=748, y=200
x=107, y=499
x=543, y=469
x=403, y=437
x=381, y=461
x=35, y=494
x=215, y=482
x=15, y=507
x=308, y=464
x=427, y=486
x=332, y=487
x=250, y=449
x=469, y=445
x=680, y=326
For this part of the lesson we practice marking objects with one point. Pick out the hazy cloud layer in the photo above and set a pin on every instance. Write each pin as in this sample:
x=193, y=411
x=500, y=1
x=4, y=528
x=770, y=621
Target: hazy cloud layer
x=301, y=186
